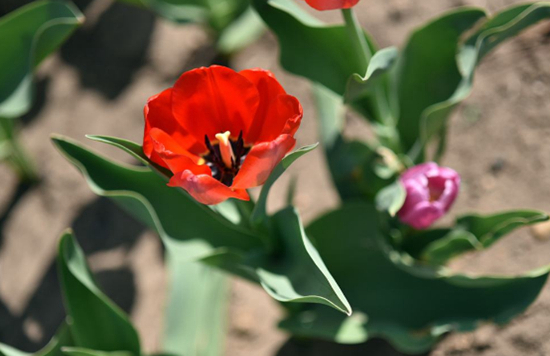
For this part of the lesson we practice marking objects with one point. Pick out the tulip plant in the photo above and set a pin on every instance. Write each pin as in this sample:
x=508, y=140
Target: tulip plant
x=27, y=36
x=373, y=267
x=232, y=24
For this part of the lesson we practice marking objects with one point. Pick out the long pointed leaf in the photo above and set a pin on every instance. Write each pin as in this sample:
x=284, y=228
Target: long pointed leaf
x=95, y=321
x=411, y=306
x=198, y=233
x=27, y=36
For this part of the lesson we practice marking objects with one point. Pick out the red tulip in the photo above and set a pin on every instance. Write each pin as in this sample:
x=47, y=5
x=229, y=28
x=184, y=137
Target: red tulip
x=221, y=132
x=323, y=5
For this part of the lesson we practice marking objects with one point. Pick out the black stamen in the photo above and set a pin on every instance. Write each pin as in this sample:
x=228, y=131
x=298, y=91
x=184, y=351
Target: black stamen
x=208, y=143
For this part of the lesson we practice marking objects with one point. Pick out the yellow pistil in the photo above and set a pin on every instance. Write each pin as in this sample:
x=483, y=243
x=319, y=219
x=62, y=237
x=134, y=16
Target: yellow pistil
x=225, y=148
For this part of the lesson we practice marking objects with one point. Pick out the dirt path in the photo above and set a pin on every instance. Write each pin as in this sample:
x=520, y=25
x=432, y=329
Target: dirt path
x=99, y=83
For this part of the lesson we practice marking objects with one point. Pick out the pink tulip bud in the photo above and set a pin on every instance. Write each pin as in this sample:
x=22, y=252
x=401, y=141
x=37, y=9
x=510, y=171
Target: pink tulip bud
x=431, y=190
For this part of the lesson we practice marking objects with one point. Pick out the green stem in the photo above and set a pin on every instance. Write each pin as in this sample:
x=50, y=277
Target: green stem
x=364, y=54
x=358, y=38
x=14, y=153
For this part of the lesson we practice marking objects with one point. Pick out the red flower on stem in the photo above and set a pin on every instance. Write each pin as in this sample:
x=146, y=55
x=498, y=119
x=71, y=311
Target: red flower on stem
x=323, y=5
x=221, y=132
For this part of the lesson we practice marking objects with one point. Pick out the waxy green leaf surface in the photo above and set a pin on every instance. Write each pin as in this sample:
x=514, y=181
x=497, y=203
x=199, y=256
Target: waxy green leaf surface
x=199, y=233
x=309, y=48
x=53, y=348
x=27, y=36
x=408, y=304
x=439, y=60
x=195, y=320
x=234, y=23
x=95, y=321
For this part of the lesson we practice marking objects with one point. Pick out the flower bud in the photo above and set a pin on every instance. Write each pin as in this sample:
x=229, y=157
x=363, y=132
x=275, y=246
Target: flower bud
x=431, y=191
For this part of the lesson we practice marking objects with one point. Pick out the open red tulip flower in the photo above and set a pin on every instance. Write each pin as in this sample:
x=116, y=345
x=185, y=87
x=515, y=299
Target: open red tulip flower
x=323, y=5
x=221, y=132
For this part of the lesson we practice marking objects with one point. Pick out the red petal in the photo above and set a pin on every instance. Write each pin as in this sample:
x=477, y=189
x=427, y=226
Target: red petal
x=158, y=114
x=322, y=5
x=174, y=156
x=275, y=110
x=207, y=101
x=261, y=160
x=205, y=189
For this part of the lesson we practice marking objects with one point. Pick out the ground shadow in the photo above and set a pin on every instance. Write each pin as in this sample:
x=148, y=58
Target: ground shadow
x=40, y=92
x=107, y=51
x=374, y=347
x=99, y=226
x=102, y=225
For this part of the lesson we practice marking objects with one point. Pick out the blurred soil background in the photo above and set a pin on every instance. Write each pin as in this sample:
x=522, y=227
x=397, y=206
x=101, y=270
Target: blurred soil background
x=98, y=83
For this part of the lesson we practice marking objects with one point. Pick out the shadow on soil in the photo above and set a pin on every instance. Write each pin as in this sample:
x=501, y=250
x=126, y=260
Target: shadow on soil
x=109, y=49
x=99, y=226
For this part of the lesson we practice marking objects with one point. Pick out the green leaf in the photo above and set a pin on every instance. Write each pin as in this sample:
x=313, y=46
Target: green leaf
x=470, y=232
x=80, y=351
x=391, y=198
x=353, y=168
x=243, y=31
x=28, y=35
x=427, y=72
x=218, y=15
x=359, y=86
x=5, y=149
x=6, y=350
x=177, y=217
x=407, y=304
x=308, y=47
x=95, y=321
x=453, y=244
x=259, y=214
x=331, y=115
x=176, y=11
x=53, y=348
x=229, y=209
x=132, y=148
x=196, y=312
x=437, y=59
x=191, y=229
x=198, y=294
x=488, y=229
x=352, y=164
x=300, y=274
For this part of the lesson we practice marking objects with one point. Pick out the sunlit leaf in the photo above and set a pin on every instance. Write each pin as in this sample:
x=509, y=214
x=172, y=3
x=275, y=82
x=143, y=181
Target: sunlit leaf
x=308, y=47
x=28, y=35
x=61, y=339
x=95, y=321
x=260, y=213
x=196, y=310
x=197, y=233
x=80, y=351
x=300, y=274
x=409, y=305
x=380, y=64
x=391, y=198
x=439, y=60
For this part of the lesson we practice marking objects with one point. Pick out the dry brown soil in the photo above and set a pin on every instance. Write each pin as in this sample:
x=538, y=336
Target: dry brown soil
x=98, y=84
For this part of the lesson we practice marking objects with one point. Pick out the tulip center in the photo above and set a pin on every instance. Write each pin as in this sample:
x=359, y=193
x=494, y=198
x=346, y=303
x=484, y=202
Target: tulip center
x=436, y=187
x=225, y=156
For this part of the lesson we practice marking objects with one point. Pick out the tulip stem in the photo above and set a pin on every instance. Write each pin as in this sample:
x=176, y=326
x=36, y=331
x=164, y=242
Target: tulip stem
x=358, y=37
x=12, y=151
x=364, y=54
